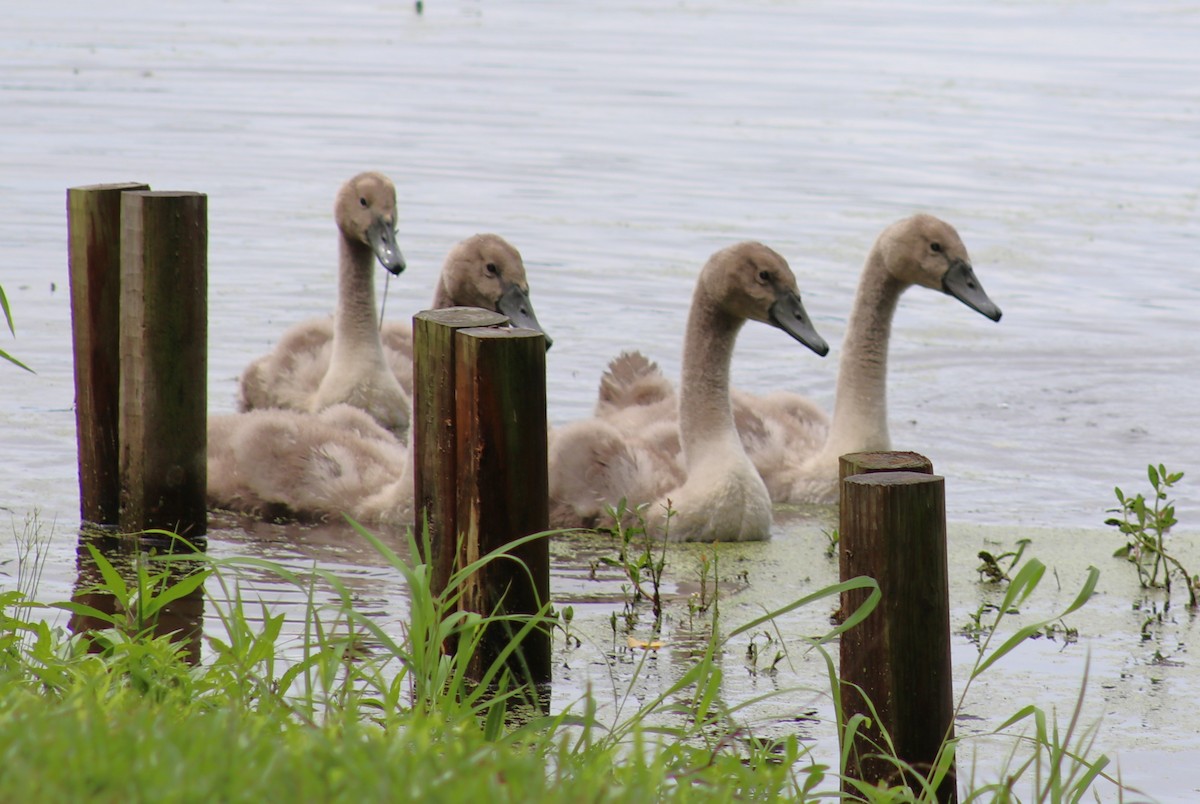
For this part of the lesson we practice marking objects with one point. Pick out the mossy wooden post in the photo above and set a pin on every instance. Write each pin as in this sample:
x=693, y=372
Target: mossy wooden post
x=94, y=267
x=504, y=486
x=893, y=529
x=435, y=450
x=164, y=341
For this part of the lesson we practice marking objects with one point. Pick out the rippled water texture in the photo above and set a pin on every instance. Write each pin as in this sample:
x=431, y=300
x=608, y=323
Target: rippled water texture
x=619, y=144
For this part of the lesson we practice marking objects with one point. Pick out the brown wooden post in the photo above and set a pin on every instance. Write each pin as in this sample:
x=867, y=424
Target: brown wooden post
x=503, y=485
x=433, y=429
x=94, y=266
x=893, y=529
x=164, y=341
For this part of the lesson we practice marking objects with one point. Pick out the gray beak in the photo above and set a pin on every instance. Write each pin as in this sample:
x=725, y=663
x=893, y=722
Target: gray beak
x=382, y=238
x=960, y=282
x=515, y=304
x=788, y=314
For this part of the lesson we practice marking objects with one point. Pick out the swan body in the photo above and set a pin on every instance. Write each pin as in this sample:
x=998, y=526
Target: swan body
x=794, y=445
x=274, y=463
x=277, y=461
x=483, y=271
x=356, y=372
x=694, y=463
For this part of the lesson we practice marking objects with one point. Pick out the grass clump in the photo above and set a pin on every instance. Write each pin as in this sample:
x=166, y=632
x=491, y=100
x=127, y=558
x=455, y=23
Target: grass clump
x=353, y=712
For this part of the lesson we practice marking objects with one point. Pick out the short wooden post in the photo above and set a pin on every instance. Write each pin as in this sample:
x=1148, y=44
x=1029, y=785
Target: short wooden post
x=435, y=450
x=893, y=529
x=94, y=265
x=503, y=485
x=164, y=342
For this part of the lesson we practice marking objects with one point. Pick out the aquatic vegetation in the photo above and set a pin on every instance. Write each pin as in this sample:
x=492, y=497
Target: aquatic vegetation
x=990, y=570
x=635, y=542
x=1145, y=524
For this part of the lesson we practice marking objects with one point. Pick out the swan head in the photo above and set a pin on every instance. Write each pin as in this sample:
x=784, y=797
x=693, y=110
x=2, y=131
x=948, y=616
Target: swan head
x=753, y=282
x=924, y=250
x=365, y=211
x=487, y=271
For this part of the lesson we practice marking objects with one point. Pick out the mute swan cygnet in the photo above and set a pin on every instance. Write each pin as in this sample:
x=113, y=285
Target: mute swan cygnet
x=484, y=270
x=357, y=374
x=791, y=441
x=715, y=491
x=274, y=463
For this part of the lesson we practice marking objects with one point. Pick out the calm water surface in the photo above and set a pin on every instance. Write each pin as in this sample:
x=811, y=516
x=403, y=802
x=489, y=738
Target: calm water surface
x=617, y=146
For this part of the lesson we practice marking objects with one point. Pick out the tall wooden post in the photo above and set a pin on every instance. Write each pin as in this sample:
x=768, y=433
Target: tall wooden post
x=893, y=529
x=94, y=265
x=434, y=430
x=503, y=484
x=164, y=342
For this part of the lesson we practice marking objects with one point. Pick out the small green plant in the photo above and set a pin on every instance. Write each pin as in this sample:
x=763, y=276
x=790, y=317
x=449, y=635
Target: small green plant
x=762, y=645
x=832, y=537
x=635, y=555
x=708, y=573
x=991, y=571
x=1145, y=524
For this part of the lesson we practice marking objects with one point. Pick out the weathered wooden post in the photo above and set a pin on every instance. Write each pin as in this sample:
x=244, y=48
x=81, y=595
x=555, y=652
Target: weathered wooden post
x=893, y=529
x=434, y=430
x=503, y=485
x=94, y=265
x=163, y=347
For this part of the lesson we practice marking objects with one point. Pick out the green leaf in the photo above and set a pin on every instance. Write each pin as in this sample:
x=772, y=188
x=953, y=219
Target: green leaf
x=1089, y=587
x=1153, y=473
x=175, y=591
x=7, y=311
x=6, y=356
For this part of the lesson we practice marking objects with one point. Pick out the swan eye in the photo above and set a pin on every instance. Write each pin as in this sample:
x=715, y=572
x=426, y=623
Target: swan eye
x=491, y=268
x=936, y=247
x=764, y=276
x=363, y=202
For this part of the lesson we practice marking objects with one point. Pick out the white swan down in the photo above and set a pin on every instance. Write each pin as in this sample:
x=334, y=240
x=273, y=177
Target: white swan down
x=793, y=444
x=698, y=464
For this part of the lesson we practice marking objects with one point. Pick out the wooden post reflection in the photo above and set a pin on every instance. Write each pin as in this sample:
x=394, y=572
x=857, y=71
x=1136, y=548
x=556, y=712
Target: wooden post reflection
x=182, y=619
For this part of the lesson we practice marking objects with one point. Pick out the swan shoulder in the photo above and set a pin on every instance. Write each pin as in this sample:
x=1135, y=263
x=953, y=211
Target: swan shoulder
x=288, y=375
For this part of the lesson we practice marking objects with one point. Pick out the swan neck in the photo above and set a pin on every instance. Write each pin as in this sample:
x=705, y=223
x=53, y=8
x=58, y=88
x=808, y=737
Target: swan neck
x=860, y=411
x=441, y=296
x=356, y=323
x=705, y=411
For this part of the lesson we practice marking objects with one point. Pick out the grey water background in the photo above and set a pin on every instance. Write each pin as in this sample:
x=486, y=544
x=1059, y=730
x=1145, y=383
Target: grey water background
x=617, y=145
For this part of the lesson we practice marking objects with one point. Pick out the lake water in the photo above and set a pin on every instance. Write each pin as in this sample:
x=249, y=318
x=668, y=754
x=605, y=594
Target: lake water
x=618, y=145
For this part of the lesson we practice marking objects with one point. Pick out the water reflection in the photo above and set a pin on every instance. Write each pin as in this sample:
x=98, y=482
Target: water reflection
x=136, y=563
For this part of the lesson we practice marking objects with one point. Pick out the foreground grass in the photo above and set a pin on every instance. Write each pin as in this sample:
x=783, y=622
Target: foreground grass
x=363, y=715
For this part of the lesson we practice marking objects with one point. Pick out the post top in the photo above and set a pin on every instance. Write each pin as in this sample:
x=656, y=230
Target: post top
x=500, y=332
x=894, y=479
x=114, y=187
x=166, y=194
x=459, y=317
